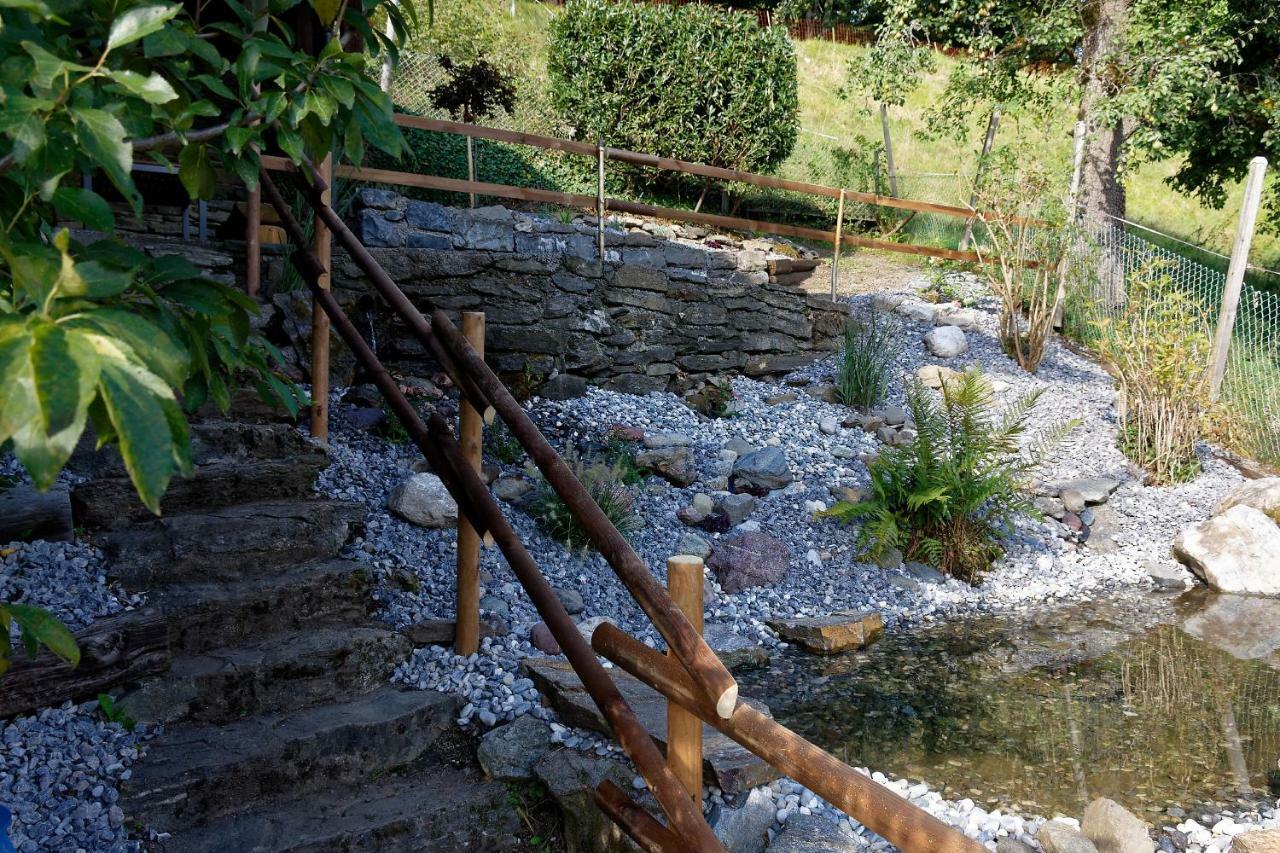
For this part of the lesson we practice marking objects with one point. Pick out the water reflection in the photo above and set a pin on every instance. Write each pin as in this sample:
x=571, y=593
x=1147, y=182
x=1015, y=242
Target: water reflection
x=1159, y=705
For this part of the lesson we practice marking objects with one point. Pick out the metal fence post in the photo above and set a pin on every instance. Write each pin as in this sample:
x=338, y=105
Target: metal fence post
x=684, y=729
x=471, y=168
x=1235, y=274
x=992, y=124
x=888, y=151
x=600, y=197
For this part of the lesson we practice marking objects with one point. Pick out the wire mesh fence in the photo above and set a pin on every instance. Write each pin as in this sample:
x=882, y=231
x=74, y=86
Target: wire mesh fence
x=1106, y=267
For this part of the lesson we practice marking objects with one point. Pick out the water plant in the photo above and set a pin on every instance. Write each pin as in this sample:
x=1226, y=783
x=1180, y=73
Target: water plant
x=947, y=497
x=866, y=360
x=604, y=481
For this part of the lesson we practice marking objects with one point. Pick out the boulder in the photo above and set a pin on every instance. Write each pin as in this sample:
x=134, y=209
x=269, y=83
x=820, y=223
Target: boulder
x=509, y=753
x=570, y=599
x=766, y=469
x=1263, y=495
x=737, y=508
x=1086, y=491
x=1238, y=551
x=511, y=489
x=571, y=779
x=934, y=375
x=806, y=833
x=673, y=463
x=693, y=544
x=563, y=387
x=921, y=312
x=946, y=342
x=829, y=635
x=735, y=651
x=423, y=500
x=954, y=315
x=1010, y=845
x=666, y=439
x=749, y=559
x=744, y=829
x=1059, y=836
x=1258, y=841
x=1114, y=829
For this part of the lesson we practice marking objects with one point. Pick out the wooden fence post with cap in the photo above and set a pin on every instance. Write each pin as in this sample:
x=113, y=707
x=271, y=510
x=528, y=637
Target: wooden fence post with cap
x=466, y=637
x=1235, y=274
x=684, y=729
x=835, y=257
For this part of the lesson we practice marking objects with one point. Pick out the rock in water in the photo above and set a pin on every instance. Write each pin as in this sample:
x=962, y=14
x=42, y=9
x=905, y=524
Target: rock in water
x=1238, y=551
x=805, y=833
x=946, y=342
x=829, y=635
x=423, y=500
x=1263, y=495
x=509, y=753
x=1114, y=829
x=1058, y=836
x=749, y=559
x=763, y=469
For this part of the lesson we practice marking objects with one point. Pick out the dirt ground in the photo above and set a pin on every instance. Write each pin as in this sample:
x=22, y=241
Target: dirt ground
x=865, y=271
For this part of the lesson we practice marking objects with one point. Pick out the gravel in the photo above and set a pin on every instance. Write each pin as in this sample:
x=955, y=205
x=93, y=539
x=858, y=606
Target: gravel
x=66, y=578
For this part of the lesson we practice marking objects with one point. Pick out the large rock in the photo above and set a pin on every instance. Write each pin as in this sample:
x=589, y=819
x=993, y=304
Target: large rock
x=749, y=559
x=509, y=753
x=737, y=508
x=672, y=463
x=1087, y=491
x=1258, y=841
x=1263, y=495
x=1114, y=829
x=728, y=766
x=946, y=342
x=829, y=635
x=744, y=829
x=804, y=833
x=1238, y=551
x=1059, y=836
x=571, y=779
x=1243, y=626
x=423, y=500
x=935, y=376
x=735, y=651
x=765, y=469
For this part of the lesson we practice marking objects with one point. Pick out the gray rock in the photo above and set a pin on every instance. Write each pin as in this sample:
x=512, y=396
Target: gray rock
x=1009, y=845
x=1167, y=576
x=748, y=560
x=1092, y=490
x=423, y=500
x=1233, y=552
x=543, y=640
x=666, y=439
x=571, y=779
x=892, y=416
x=737, y=508
x=766, y=469
x=564, y=386
x=571, y=599
x=509, y=753
x=511, y=489
x=813, y=834
x=829, y=635
x=946, y=342
x=934, y=376
x=1263, y=495
x=735, y=651
x=923, y=573
x=692, y=543
x=1114, y=829
x=1243, y=626
x=672, y=463
x=1058, y=836
x=744, y=829
x=921, y=312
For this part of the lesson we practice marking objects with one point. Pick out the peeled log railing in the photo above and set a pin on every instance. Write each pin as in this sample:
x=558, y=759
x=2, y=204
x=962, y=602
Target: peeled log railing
x=692, y=677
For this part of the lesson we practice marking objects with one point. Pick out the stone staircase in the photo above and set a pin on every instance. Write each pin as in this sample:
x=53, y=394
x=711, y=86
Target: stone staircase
x=282, y=731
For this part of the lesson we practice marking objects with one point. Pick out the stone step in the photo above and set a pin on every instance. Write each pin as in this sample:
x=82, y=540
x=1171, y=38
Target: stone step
x=728, y=766
x=433, y=810
x=197, y=773
x=234, y=463
x=205, y=616
x=229, y=544
x=286, y=671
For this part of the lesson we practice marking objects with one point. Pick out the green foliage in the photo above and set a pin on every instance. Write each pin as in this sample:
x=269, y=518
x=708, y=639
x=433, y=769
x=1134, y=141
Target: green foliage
x=693, y=82
x=866, y=360
x=112, y=714
x=501, y=444
x=474, y=90
x=895, y=64
x=947, y=497
x=36, y=627
x=95, y=332
x=605, y=483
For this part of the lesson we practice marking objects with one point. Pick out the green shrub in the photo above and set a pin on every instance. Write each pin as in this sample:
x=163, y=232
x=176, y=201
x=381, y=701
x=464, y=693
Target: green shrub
x=605, y=483
x=866, y=361
x=692, y=82
x=948, y=496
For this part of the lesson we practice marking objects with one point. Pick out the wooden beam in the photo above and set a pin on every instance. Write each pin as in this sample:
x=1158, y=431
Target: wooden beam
x=323, y=248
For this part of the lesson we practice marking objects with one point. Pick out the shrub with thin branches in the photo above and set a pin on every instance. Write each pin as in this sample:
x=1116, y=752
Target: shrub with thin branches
x=866, y=360
x=947, y=497
x=1157, y=348
x=605, y=483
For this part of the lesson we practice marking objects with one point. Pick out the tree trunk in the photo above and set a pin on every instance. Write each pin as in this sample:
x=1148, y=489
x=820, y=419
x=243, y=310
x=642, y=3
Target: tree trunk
x=1101, y=198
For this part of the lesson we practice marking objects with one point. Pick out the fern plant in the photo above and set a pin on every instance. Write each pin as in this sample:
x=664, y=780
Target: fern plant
x=605, y=483
x=947, y=497
x=866, y=360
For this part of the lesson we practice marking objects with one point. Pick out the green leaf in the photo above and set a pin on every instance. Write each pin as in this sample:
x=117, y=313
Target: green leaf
x=139, y=23
x=84, y=206
x=103, y=138
x=195, y=169
x=48, y=67
x=162, y=354
x=326, y=10
x=39, y=625
x=152, y=88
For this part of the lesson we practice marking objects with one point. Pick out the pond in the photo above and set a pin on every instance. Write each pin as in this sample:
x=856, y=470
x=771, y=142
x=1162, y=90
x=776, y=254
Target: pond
x=1157, y=704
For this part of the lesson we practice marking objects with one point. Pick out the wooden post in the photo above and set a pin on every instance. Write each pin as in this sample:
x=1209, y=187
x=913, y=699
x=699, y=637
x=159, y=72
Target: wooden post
x=888, y=151
x=600, y=198
x=992, y=123
x=684, y=729
x=471, y=167
x=1064, y=263
x=1235, y=274
x=322, y=247
x=253, y=242
x=835, y=257
x=471, y=437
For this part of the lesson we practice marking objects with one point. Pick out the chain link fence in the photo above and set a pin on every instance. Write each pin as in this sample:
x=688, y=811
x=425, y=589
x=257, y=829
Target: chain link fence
x=1116, y=254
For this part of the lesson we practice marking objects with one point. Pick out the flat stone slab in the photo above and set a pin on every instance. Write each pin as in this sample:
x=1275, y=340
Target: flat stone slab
x=829, y=635
x=726, y=765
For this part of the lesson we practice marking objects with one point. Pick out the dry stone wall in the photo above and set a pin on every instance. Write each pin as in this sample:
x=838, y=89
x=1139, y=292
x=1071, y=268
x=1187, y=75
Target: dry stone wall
x=659, y=312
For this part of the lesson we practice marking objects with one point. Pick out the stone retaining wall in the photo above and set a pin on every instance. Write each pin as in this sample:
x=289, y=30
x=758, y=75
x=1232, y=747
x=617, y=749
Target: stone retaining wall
x=659, y=313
